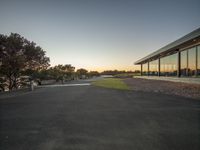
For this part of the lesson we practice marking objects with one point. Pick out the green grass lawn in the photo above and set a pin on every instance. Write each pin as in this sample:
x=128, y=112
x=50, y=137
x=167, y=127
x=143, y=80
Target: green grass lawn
x=114, y=83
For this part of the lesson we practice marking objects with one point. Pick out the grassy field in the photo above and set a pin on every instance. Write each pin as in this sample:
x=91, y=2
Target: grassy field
x=114, y=83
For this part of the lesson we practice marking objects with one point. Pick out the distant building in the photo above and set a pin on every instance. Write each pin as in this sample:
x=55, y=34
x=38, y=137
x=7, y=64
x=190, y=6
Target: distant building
x=179, y=58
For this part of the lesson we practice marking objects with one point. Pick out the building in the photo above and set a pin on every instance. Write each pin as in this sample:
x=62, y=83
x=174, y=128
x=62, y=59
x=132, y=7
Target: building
x=179, y=58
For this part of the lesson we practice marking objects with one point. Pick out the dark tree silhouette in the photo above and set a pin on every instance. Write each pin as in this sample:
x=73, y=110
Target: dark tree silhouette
x=62, y=72
x=93, y=73
x=17, y=56
x=81, y=72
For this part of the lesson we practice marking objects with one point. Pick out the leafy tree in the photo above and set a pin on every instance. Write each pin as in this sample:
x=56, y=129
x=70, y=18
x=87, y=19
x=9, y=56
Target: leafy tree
x=62, y=72
x=39, y=75
x=19, y=56
x=93, y=73
x=81, y=72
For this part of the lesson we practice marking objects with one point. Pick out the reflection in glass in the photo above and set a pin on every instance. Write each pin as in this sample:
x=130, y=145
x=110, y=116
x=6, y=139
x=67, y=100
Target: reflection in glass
x=184, y=63
x=153, y=67
x=198, y=60
x=192, y=61
x=189, y=62
x=168, y=65
x=145, y=69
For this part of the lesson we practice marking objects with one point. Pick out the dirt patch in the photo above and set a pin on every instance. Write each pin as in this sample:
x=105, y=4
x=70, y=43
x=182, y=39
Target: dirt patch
x=167, y=87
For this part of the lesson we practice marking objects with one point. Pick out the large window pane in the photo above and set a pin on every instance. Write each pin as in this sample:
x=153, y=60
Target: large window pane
x=192, y=61
x=184, y=63
x=168, y=65
x=153, y=67
x=198, y=60
x=145, y=69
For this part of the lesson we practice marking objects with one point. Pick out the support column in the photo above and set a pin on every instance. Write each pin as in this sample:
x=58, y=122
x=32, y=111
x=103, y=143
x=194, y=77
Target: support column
x=159, y=67
x=179, y=65
x=148, y=68
x=196, y=71
x=187, y=66
x=141, y=70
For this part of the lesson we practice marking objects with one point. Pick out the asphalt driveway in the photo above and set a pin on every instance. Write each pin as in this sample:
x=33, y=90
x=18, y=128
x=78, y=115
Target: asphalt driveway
x=92, y=118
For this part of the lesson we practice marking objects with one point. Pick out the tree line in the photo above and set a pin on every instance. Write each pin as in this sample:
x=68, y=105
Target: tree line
x=22, y=61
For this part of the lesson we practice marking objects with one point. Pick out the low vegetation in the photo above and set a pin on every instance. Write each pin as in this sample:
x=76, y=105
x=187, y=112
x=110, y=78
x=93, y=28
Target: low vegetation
x=127, y=75
x=114, y=83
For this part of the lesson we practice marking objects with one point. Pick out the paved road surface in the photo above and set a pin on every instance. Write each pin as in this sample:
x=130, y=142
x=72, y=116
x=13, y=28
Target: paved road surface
x=92, y=118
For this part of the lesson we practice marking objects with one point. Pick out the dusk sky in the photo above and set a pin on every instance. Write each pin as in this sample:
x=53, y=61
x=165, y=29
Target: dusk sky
x=99, y=34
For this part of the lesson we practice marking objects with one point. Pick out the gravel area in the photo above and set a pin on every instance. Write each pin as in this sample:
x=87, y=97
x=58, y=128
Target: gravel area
x=167, y=87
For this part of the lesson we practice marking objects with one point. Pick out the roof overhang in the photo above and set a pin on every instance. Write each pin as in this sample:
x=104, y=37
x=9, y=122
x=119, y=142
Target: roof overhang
x=189, y=39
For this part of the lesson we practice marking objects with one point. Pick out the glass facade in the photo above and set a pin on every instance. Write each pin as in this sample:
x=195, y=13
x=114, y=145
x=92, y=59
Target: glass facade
x=189, y=64
x=145, y=69
x=184, y=63
x=168, y=65
x=198, y=61
x=192, y=61
x=153, y=67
